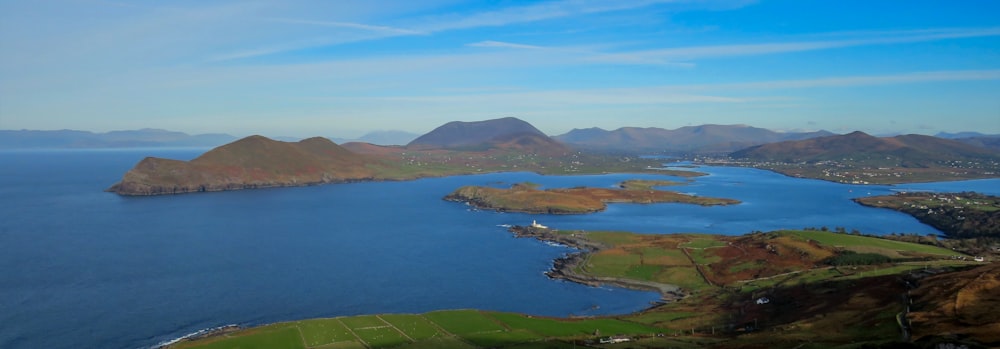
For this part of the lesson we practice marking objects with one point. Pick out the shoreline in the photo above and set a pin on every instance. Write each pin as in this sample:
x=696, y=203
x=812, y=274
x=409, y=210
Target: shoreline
x=563, y=268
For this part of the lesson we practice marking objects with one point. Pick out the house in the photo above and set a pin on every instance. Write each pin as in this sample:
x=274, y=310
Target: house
x=763, y=300
x=980, y=259
x=615, y=339
x=534, y=224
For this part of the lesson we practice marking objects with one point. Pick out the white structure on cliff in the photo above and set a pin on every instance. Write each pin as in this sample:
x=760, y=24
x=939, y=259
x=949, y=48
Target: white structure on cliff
x=535, y=224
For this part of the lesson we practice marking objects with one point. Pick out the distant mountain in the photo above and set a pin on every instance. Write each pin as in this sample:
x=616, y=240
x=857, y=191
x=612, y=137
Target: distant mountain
x=861, y=148
x=388, y=137
x=251, y=162
x=989, y=142
x=505, y=133
x=31, y=139
x=958, y=135
x=697, y=139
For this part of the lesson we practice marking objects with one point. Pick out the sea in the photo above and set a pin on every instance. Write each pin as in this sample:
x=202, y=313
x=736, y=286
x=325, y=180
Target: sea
x=83, y=268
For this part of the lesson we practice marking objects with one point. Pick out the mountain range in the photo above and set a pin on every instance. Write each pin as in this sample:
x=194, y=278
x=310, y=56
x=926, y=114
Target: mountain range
x=688, y=139
x=861, y=148
x=491, y=145
x=148, y=137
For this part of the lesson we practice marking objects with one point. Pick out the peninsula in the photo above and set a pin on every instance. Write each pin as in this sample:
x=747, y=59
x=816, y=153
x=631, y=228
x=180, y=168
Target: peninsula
x=859, y=158
x=778, y=289
x=958, y=215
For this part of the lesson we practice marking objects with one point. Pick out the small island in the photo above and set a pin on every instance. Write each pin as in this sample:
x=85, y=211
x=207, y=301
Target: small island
x=527, y=198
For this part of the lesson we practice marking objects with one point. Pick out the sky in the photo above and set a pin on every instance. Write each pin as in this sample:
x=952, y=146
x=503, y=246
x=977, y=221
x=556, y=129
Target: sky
x=343, y=68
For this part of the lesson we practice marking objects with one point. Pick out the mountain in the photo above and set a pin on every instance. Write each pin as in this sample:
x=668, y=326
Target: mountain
x=251, y=162
x=388, y=137
x=505, y=133
x=698, y=139
x=31, y=139
x=958, y=135
x=861, y=148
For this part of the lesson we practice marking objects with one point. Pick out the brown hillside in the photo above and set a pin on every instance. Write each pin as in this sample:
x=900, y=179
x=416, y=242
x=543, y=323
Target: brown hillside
x=530, y=143
x=964, y=304
x=906, y=151
x=251, y=162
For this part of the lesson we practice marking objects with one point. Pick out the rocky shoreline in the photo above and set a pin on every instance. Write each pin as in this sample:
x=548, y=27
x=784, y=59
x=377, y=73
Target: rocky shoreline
x=563, y=268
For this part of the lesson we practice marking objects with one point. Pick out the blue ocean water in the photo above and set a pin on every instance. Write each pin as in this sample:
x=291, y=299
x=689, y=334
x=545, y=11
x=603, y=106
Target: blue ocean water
x=83, y=268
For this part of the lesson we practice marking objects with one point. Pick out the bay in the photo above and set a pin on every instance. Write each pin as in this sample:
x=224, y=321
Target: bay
x=83, y=268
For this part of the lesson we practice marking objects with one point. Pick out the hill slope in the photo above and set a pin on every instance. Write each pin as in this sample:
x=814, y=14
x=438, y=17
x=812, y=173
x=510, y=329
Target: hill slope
x=251, y=162
x=504, y=133
x=864, y=159
x=704, y=138
x=904, y=151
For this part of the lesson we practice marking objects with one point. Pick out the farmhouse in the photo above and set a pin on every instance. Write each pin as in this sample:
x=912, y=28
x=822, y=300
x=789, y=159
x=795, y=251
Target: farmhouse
x=615, y=339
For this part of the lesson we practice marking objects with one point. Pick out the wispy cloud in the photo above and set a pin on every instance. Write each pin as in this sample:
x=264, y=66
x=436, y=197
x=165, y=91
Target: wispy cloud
x=536, y=12
x=491, y=43
x=848, y=81
x=336, y=24
x=441, y=23
x=699, y=52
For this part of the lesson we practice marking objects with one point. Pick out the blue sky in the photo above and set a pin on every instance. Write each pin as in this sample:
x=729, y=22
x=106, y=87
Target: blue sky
x=342, y=68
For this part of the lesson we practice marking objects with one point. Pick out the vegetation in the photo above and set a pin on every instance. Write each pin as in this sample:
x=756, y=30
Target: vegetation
x=526, y=198
x=857, y=300
x=863, y=159
x=958, y=215
x=852, y=258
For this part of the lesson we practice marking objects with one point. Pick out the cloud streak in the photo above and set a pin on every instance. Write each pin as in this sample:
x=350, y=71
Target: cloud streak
x=735, y=50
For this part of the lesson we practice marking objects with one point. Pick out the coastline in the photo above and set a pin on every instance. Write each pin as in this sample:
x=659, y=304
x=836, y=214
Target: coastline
x=564, y=268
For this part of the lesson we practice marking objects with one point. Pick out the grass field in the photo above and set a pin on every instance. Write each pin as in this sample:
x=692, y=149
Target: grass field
x=414, y=326
x=462, y=322
x=579, y=328
x=703, y=243
x=324, y=331
x=856, y=241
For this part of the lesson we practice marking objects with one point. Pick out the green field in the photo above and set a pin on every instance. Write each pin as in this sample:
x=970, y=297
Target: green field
x=703, y=243
x=852, y=241
x=362, y=322
x=549, y=327
x=381, y=337
x=414, y=326
x=324, y=331
x=462, y=322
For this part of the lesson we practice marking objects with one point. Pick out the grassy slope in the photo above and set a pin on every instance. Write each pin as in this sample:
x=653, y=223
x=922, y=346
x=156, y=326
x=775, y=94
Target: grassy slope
x=866, y=243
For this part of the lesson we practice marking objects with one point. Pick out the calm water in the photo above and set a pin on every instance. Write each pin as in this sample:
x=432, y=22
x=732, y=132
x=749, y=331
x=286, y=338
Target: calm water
x=84, y=268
